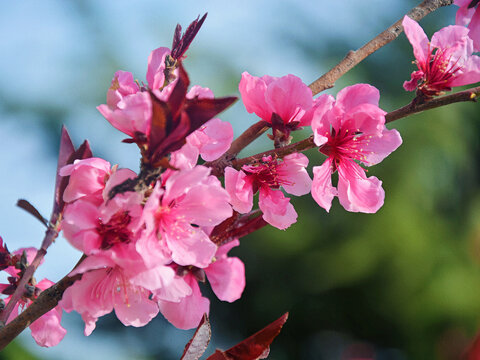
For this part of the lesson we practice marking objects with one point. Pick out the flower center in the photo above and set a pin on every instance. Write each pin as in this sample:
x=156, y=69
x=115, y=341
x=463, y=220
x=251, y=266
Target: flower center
x=115, y=231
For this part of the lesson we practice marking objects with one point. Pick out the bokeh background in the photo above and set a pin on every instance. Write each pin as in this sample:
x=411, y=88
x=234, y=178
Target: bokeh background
x=401, y=284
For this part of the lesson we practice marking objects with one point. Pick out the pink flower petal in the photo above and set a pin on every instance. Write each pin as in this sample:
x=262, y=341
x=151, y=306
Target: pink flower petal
x=190, y=246
x=213, y=139
x=356, y=95
x=253, y=91
x=378, y=148
x=47, y=330
x=134, y=308
x=417, y=38
x=187, y=313
x=276, y=208
x=289, y=98
x=240, y=190
x=227, y=278
x=450, y=36
x=205, y=205
x=356, y=192
x=156, y=66
x=297, y=180
x=322, y=190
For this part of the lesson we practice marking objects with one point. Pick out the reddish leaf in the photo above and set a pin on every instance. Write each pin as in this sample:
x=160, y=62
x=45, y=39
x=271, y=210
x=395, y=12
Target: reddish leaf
x=473, y=352
x=256, y=346
x=202, y=110
x=173, y=120
x=181, y=43
x=67, y=155
x=199, y=342
x=64, y=153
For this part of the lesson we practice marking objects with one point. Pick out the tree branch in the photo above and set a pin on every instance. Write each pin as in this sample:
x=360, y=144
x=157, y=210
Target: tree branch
x=413, y=108
x=353, y=58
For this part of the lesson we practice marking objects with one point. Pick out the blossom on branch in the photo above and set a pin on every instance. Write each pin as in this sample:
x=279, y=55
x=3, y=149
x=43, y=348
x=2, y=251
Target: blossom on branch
x=285, y=103
x=444, y=62
x=469, y=15
x=267, y=177
x=350, y=129
x=226, y=276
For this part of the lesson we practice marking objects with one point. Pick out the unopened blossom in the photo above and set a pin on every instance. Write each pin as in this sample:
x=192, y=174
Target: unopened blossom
x=348, y=130
x=226, y=276
x=469, y=15
x=444, y=62
x=179, y=204
x=267, y=177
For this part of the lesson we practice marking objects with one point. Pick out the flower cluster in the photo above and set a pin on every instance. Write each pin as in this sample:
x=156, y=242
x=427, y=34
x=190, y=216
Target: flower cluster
x=149, y=238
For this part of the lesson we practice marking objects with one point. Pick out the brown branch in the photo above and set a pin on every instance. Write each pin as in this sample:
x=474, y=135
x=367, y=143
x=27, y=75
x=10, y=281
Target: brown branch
x=45, y=302
x=246, y=138
x=300, y=146
x=353, y=58
x=413, y=108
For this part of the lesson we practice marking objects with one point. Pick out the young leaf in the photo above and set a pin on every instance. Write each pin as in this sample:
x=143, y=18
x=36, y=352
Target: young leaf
x=199, y=342
x=32, y=210
x=254, y=347
x=181, y=43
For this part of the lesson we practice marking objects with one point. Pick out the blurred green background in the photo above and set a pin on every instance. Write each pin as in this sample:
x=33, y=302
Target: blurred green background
x=400, y=284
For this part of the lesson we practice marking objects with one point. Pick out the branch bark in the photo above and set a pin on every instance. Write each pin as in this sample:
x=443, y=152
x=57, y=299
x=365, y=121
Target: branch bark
x=413, y=108
x=353, y=58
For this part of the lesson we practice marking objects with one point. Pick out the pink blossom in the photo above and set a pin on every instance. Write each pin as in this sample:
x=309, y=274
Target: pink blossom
x=186, y=313
x=288, y=97
x=443, y=63
x=348, y=129
x=215, y=136
x=267, y=177
x=92, y=228
x=89, y=177
x=129, y=108
x=156, y=68
x=226, y=276
x=469, y=17
x=184, y=199
x=106, y=286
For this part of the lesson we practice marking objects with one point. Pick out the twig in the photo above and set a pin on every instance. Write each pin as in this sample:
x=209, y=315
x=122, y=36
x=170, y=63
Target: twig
x=412, y=108
x=300, y=146
x=247, y=137
x=353, y=58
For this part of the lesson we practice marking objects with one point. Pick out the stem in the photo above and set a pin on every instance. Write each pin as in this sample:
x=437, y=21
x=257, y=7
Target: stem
x=252, y=133
x=353, y=58
x=46, y=301
x=413, y=108
x=300, y=146
x=249, y=135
